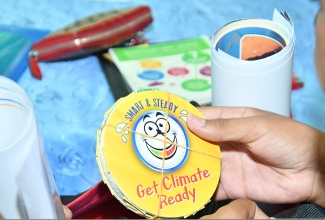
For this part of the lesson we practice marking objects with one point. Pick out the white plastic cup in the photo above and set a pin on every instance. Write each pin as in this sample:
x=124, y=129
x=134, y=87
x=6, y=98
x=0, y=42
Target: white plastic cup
x=27, y=187
x=263, y=83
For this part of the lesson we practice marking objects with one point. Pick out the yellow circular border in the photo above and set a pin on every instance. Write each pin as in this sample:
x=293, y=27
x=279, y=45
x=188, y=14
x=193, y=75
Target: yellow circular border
x=186, y=190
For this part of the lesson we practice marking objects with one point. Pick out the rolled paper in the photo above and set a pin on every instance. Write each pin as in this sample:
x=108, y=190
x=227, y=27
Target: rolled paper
x=252, y=61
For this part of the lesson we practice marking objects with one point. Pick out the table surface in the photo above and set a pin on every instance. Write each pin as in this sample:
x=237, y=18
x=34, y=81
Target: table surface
x=73, y=96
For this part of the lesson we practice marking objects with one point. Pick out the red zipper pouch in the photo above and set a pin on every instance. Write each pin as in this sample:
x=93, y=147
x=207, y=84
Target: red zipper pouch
x=89, y=35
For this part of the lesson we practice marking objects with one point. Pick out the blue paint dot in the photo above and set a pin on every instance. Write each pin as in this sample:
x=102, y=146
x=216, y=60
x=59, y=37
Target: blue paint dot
x=151, y=75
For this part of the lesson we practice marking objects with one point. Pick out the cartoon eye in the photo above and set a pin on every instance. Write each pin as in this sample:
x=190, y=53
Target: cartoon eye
x=163, y=125
x=151, y=129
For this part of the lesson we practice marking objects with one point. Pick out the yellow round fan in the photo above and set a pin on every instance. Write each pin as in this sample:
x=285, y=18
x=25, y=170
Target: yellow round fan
x=151, y=161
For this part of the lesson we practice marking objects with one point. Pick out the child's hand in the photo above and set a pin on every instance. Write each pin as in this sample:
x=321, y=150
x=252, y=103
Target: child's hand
x=320, y=44
x=67, y=213
x=238, y=209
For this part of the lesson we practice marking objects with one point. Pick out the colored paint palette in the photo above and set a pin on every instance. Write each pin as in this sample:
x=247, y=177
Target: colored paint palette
x=183, y=67
x=151, y=161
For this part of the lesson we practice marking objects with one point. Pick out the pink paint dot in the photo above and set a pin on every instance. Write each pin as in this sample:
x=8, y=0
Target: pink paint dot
x=155, y=83
x=206, y=71
x=178, y=71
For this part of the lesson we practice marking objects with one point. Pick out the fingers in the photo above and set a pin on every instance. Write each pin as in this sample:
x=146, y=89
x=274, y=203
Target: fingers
x=67, y=212
x=238, y=209
x=244, y=130
x=212, y=112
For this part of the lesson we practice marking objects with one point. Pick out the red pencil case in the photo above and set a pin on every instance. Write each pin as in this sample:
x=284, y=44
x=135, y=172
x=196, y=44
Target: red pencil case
x=89, y=35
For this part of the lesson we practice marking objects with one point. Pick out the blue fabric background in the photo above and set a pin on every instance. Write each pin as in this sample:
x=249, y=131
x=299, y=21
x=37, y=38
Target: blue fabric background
x=72, y=97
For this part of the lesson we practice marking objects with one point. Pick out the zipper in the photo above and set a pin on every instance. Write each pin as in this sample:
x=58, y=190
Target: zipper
x=35, y=55
x=78, y=42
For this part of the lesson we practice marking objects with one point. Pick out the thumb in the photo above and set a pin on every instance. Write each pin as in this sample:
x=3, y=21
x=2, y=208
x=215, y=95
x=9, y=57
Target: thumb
x=244, y=130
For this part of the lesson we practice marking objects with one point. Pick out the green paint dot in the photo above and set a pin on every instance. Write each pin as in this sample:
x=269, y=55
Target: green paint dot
x=196, y=85
x=196, y=57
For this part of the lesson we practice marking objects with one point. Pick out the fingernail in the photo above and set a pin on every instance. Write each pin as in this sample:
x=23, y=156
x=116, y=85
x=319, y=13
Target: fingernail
x=196, y=121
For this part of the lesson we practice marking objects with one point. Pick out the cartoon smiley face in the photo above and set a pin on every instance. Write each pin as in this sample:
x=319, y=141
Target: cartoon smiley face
x=150, y=147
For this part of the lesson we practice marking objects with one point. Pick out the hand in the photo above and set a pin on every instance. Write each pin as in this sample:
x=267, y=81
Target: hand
x=320, y=43
x=67, y=212
x=265, y=157
x=238, y=209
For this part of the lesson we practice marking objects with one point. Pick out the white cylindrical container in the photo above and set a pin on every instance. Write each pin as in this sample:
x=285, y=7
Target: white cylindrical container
x=27, y=187
x=252, y=63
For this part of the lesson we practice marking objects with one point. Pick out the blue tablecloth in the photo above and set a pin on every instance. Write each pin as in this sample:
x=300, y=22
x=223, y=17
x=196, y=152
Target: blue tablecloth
x=72, y=97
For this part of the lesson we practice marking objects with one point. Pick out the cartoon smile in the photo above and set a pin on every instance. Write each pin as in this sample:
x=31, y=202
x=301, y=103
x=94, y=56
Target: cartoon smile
x=159, y=152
